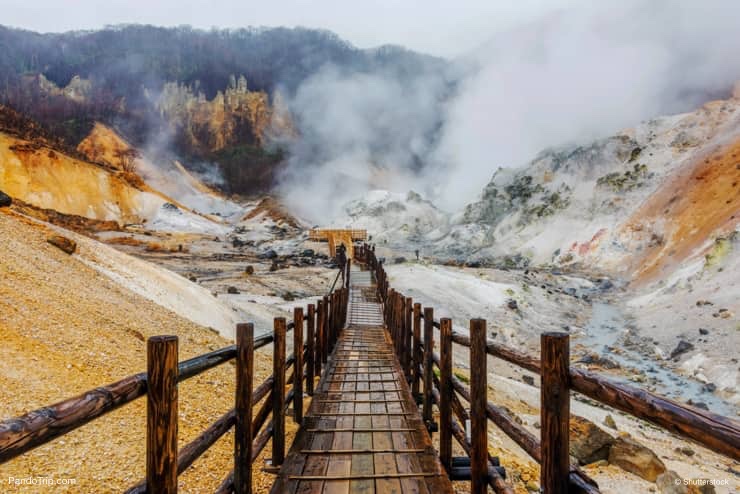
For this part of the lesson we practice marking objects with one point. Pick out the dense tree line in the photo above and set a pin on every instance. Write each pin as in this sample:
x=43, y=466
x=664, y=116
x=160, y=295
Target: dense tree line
x=128, y=65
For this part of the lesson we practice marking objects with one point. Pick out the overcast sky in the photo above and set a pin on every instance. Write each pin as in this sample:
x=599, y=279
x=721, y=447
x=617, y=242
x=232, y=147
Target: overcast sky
x=441, y=28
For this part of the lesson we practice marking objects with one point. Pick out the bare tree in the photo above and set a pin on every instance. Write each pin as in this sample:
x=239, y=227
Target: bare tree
x=127, y=159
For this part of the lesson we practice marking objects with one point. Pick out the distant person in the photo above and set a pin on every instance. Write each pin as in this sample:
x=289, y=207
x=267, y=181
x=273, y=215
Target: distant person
x=417, y=254
x=342, y=258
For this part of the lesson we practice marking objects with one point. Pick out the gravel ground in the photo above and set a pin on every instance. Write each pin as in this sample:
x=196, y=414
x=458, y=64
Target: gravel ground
x=66, y=329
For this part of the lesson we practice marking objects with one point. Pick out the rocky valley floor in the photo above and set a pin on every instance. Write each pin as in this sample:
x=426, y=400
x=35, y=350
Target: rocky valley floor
x=198, y=286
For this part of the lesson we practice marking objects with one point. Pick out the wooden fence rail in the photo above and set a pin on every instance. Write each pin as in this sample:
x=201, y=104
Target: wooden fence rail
x=405, y=319
x=160, y=382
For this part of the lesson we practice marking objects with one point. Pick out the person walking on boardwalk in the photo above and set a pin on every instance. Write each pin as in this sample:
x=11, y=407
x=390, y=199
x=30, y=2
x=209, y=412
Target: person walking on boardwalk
x=342, y=259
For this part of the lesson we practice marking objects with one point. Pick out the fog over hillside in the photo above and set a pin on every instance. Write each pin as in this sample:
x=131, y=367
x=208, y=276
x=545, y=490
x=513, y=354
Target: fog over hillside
x=568, y=77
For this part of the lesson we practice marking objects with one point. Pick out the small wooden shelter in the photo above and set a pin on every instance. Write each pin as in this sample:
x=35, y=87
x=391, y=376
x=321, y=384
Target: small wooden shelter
x=336, y=237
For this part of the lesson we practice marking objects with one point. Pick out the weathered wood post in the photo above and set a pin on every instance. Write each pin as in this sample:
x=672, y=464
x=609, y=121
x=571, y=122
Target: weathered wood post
x=478, y=402
x=319, y=335
x=278, y=398
x=325, y=331
x=333, y=319
x=243, y=407
x=554, y=412
x=349, y=265
x=399, y=324
x=389, y=311
x=445, y=393
x=428, y=364
x=396, y=320
x=298, y=366
x=311, y=353
x=161, y=423
x=417, y=352
x=407, y=338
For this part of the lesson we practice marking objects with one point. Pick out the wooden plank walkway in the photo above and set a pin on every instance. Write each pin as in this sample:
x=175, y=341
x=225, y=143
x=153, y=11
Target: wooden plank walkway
x=363, y=431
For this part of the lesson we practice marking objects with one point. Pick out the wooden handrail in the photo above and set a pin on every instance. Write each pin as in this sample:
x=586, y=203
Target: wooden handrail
x=21, y=434
x=718, y=433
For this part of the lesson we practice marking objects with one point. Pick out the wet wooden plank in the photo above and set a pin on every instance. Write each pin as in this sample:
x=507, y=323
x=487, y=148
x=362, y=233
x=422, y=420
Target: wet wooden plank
x=362, y=464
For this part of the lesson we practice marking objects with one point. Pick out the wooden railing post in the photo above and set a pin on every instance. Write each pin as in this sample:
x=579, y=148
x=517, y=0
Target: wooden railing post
x=554, y=412
x=325, y=331
x=389, y=311
x=319, y=335
x=346, y=306
x=399, y=324
x=243, y=407
x=445, y=393
x=311, y=353
x=161, y=424
x=478, y=402
x=278, y=397
x=298, y=366
x=349, y=265
x=407, y=338
x=333, y=319
x=416, y=352
x=428, y=364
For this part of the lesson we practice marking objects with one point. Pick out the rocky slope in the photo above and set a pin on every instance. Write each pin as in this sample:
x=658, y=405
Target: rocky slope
x=646, y=223
x=68, y=328
x=637, y=205
x=107, y=179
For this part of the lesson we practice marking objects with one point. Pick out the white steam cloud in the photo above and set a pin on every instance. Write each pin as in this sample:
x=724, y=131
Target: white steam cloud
x=570, y=77
x=357, y=132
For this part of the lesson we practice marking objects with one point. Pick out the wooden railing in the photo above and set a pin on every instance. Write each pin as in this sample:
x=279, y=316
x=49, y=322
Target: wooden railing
x=253, y=431
x=415, y=345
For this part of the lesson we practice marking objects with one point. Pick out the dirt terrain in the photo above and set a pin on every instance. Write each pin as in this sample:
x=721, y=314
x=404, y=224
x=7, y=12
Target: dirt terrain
x=68, y=328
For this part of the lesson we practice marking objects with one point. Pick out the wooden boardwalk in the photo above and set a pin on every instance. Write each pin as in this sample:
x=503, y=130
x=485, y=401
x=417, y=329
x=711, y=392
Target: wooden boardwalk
x=363, y=431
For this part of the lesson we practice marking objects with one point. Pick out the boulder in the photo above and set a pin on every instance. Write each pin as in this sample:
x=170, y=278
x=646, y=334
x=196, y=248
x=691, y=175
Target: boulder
x=609, y=422
x=5, y=200
x=268, y=254
x=682, y=347
x=588, y=442
x=63, y=243
x=232, y=290
x=308, y=253
x=635, y=458
x=596, y=359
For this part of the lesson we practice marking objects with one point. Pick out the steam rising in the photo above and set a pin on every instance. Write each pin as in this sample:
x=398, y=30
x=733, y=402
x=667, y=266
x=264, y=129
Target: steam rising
x=562, y=79
x=358, y=131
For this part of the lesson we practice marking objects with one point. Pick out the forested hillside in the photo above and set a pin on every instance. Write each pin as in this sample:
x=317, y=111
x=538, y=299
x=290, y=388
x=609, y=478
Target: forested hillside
x=204, y=95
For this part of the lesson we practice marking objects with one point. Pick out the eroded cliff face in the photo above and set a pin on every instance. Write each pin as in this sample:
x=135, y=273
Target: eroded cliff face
x=49, y=179
x=235, y=116
x=78, y=89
